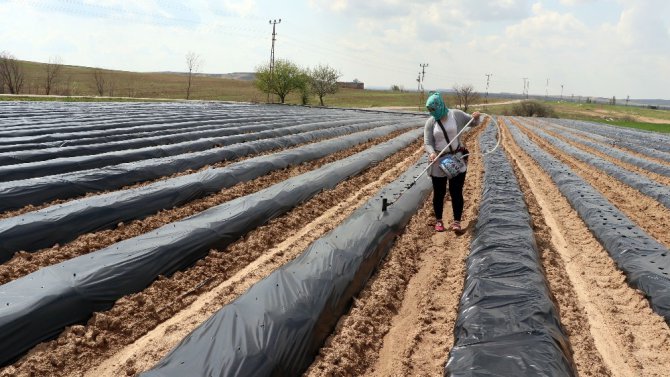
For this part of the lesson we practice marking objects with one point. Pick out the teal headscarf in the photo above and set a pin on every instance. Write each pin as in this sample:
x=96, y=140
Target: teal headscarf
x=436, y=106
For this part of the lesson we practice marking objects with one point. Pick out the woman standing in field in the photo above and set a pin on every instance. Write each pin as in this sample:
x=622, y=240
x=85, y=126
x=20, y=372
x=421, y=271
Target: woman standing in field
x=440, y=128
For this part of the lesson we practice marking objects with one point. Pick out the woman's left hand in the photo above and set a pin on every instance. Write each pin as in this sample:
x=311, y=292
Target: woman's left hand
x=476, y=115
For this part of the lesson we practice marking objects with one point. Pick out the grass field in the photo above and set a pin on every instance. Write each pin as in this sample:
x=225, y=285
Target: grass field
x=616, y=115
x=78, y=84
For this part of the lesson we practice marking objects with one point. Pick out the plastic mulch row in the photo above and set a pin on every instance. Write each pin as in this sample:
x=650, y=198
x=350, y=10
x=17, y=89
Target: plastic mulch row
x=637, y=181
x=647, y=150
x=17, y=194
x=64, y=222
x=87, y=117
x=158, y=126
x=70, y=164
x=188, y=131
x=643, y=163
x=38, y=306
x=659, y=141
x=277, y=327
x=643, y=259
x=507, y=322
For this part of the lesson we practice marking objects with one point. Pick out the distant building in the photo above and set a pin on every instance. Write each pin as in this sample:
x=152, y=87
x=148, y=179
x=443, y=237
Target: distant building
x=351, y=84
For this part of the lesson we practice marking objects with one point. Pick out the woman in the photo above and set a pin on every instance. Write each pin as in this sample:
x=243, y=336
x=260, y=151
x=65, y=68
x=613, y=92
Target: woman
x=452, y=122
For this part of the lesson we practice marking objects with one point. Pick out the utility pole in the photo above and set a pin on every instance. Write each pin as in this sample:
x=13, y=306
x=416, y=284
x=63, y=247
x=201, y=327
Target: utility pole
x=418, y=90
x=272, y=52
x=423, y=76
x=627, y=99
x=423, y=70
x=488, y=78
x=561, y=92
x=420, y=79
x=546, y=91
x=524, y=87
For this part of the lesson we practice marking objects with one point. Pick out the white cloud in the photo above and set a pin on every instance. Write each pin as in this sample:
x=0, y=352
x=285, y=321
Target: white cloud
x=497, y=10
x=548, y=30
x=643, y=26
x=380, y=42
x=241, y=7
x=577, y=2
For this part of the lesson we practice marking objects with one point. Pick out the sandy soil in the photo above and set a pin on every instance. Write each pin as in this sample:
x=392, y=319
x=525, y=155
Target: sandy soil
x=31, y=208
x=629, y=337
x=402, y=323
x=573, y=316
x=569, y=132
x=24, y=263
x=134, y=316
x=649, y=174
x=648, y=213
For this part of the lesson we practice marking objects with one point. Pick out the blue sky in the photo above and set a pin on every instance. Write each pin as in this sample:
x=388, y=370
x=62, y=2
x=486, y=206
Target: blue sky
x=591, y=47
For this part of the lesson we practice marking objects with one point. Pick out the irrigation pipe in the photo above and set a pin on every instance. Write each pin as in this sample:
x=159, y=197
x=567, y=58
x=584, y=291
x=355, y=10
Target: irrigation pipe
x=386, y=203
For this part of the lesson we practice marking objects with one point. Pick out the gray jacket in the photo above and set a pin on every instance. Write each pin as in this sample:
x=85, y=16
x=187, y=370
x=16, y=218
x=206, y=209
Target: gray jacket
x=461, y=118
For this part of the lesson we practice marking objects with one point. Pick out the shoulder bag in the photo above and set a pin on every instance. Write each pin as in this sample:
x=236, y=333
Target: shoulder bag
x=452, y=164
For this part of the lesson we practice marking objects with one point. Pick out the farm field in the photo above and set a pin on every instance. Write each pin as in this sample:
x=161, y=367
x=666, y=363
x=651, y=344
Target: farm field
x=173, y=239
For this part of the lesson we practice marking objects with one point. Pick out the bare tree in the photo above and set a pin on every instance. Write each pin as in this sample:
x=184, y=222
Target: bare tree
x=11, y=72
x=100, y=83
x=466, y=95
x=193, y=63
x=323, y=80
x=52, y=70
x=111, y=84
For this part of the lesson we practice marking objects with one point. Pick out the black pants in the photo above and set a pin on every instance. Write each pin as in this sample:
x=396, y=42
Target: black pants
x=456, y=192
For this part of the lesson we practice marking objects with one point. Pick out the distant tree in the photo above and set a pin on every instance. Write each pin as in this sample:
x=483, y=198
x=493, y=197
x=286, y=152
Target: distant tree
x=323, y=80
x=11, y=72
x=111, y=84
x=306, y=89
x=100, y=81
x=53, y=70
x=193, y=63
x=396, y=88
x=285, y=78
x=466, y=95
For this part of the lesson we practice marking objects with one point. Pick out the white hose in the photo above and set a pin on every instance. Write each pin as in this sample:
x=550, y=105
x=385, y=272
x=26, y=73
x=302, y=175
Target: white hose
x=467, y=125
x=499, y=137
x=386, y=203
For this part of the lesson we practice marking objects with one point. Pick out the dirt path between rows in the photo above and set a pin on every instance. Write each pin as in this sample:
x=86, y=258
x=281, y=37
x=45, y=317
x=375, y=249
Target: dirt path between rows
x=652, y=216
x=221, y=164
x=628, y=166
x=402, y=323
x=630, y=338
x=24, y=263
x=612, y=145
x=148, y=350
x=82, y=347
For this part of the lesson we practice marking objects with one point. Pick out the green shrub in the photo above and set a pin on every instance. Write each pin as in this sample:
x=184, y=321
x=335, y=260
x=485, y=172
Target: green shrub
x=533, y=109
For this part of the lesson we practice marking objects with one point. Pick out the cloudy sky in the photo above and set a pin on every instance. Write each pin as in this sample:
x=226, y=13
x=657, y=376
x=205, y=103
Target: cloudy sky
x=591, y=47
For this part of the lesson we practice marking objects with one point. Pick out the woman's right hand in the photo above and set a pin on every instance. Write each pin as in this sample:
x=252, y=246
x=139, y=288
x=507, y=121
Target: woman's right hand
x=432, y=156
